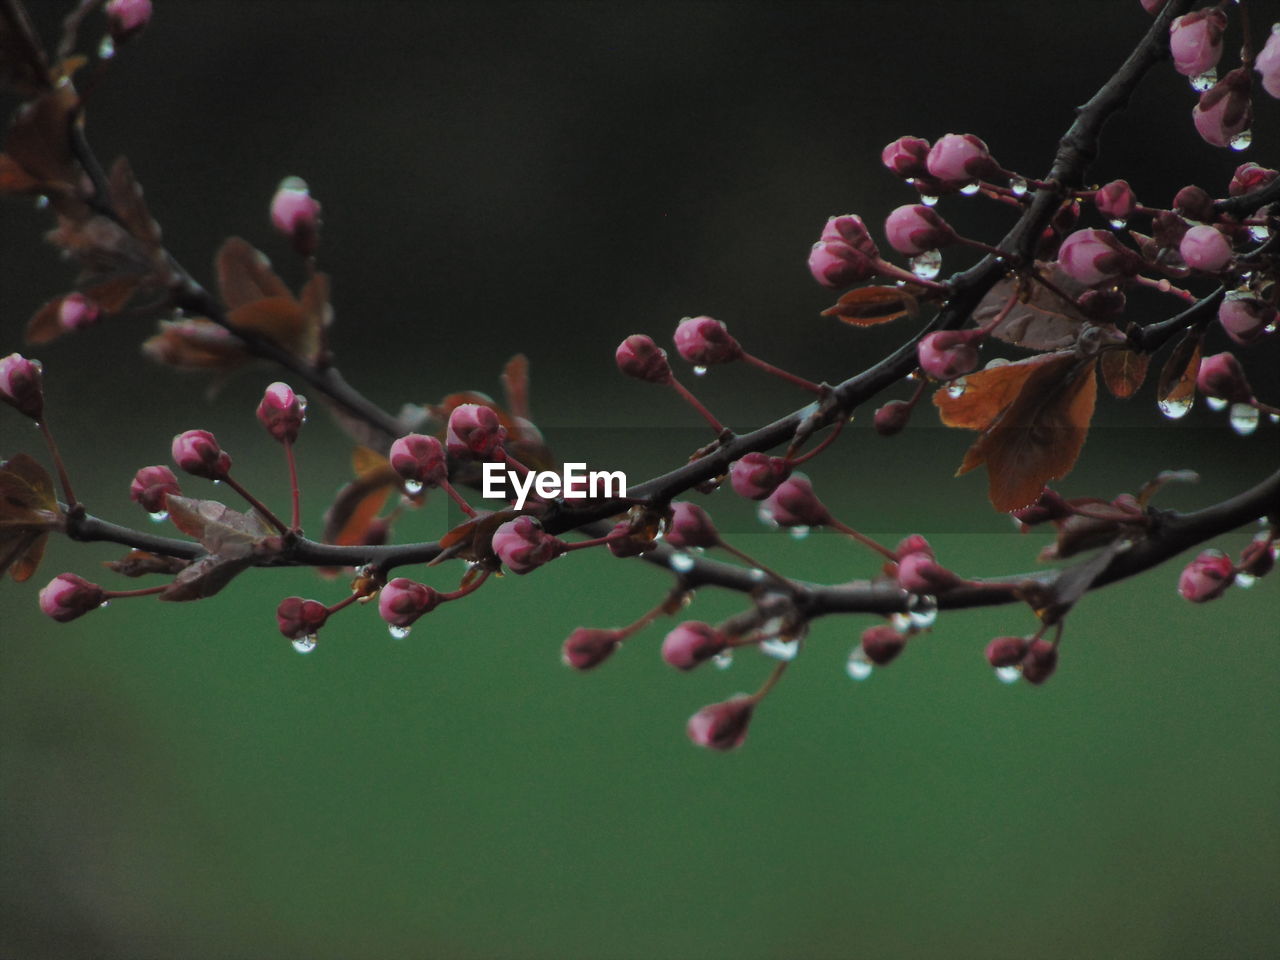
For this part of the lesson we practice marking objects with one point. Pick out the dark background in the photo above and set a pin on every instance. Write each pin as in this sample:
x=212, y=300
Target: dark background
x=549, y=178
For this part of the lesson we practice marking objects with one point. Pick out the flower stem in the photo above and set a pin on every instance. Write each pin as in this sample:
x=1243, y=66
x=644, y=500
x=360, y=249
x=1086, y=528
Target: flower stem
x=255, y=503
x=63, y=478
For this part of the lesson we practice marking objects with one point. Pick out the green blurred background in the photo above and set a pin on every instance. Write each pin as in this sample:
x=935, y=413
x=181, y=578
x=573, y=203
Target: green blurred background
x=177, y=782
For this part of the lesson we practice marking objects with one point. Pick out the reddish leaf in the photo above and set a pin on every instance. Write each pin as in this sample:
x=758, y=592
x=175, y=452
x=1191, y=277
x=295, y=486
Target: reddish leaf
x=1176, y=388
x=39, y=140
x=28, y=511
x=1041, y=319
x=1123, y=371
x=515, y=385
x=245, y=275
x=126, y=197
x=868, y=306
x=13, y=179
x=195, y=344
x=279, y=319
x=139, y=563
x=358, y=504
x=472, y=540
x=988, y=393
x=219, y=529
x=205, y=577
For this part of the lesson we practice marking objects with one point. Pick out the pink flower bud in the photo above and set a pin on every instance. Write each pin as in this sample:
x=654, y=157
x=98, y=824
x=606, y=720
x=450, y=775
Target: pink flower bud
x=1258, y=558
x=298, y=618
x=947, y=354
x=198, y=453
x=419, y=459
x=67, y=596
x=152, y=487
x=757, y=475
x=1205, y=248
x=638, y=356
x=127, y=18
x=587, y=647
x=692, y=643
x=915, y=228
x=722, y=726
x=920, y=573
x=912, y=544
x=794, y=504
x=1195, y=41
x=1096, y=256
x=882, y=644
x=1115, y=200
x=1040, y=662
x=849, y=229
x=1206, y=577
x=960, y=158
x=1194, y=203
x=474, y=433
x=402, y=601
x=1267, y=63
x=690, y=527
x=282, y=412
x=523, y=545
x=21, y=385
x=1225, y=110
x=907, y=157
x=706, y=342
x=892, y=418
x=836, y=264
x=77, y=311
x=1250, y=176
x=296, y=214
x=1221, y=376
x=1006, y=651
x=1245, y=318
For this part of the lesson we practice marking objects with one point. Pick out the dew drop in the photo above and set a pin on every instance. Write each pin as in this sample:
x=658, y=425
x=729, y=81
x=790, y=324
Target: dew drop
x=104, y=604
x=1241, y=140
x=686, y=599
x=681, y=562
x=1215, y=404
x=765, y=516
x=699, y=371
x=1203, y=81
x=900, y=622
x=1245, y=580
x=1008, y=674
x=1174, y=408
x=412, y=487
x=955, y=389
x=1244, y=419
x=1118, y=223
x=160, y=516
x=723, y=660
x=997, y=362
x=42, y=202
x=107, y=48
x=1018, y=187
x=799, y=533
x=399, y=633
x=1270, y=328
x=928, y=199
x=1274, y=417
x=1259, y=232
x=780, y=648
x=305, y=644
x=926, y=265
x=217, y=483
x=922, y=611
x=858, y=667
x=969, y=189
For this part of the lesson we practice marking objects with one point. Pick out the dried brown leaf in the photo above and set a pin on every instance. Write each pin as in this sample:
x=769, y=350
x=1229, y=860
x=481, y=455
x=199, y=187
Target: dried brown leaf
x=988, y=393
x=139, y=563
x=1041, y=319
x=1123, y=371
x=205, y=577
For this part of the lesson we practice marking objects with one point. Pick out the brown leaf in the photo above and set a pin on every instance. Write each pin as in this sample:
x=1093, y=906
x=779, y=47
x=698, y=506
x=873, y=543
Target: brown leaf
x=348, y=520
x=195, y=344
x=28, y=511
x=988, y=393
x=1176, y=388
x=205, y=577
x=1041, y=319
x=13, y=179
x=280, y=319
x=1039, y=435
x=126, y=197
x=472, y=540
x=139, y=563
x=39, y=140
x=219, y=529
x=245, y=275
x=1123, y=371
x=515, y=385
x=868, y=306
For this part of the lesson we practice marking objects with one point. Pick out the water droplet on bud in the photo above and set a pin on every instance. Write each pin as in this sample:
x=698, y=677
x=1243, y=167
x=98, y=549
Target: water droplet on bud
x=1018, y=187
x=1175, y=408
x=1244, y=418
x=412, y=487
x=399, y=633
x=723, y=660
x=926, y=265
x=42, y=202
x=1259, y=232
x=305, y=644
x=799, y=533
x=699, y=371
x=1203, y=81
x=780, y=648
x=922, y=611
x=969, y=189
x=1245, y=580
x=107, y=48
x=160, y=516
x=765, y=516
x=1215, y=403
x=1118, y=223
x=858, y=667
x=1008, y=674
x=104, y=604
x=928, y=199
x=900, y=622
x=955, y=389
x=681, y=562
x=1241, y=140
